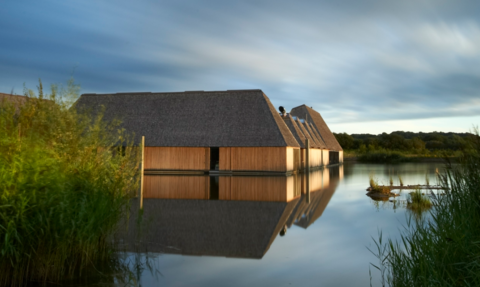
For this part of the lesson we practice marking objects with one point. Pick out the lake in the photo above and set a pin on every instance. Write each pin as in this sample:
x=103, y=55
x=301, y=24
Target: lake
x=261, y=231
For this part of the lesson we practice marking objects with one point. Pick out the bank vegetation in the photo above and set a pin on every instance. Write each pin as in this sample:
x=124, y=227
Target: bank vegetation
x=65, y=181
x=442, y=249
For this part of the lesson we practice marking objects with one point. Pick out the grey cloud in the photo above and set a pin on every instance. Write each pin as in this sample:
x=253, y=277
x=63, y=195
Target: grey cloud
x=352, y=60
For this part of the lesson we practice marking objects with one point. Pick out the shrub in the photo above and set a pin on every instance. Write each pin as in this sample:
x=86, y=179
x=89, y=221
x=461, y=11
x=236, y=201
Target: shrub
x=383, y=157
x=62, y=188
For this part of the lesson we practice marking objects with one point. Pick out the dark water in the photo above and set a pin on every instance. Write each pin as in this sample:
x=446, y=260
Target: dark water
x=212, y=241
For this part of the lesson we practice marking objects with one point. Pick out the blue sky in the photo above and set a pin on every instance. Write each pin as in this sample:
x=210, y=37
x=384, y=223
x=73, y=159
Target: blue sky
x=367, y=66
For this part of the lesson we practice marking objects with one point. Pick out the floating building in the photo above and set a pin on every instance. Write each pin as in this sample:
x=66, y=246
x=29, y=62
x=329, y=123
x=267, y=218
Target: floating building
x=234, y=131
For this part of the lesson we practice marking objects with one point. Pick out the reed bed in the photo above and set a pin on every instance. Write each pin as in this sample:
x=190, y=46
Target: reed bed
x=63, y=187
x=377, y=189
x=444, y=248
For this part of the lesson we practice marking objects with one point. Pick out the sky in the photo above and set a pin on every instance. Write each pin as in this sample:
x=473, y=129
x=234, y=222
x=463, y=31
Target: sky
x=367, y=66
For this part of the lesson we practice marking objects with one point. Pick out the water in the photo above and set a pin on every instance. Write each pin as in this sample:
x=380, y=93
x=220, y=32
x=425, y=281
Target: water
x=219, y=242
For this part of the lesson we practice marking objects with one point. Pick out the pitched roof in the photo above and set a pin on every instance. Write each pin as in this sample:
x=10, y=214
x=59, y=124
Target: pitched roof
x=319, y=136
x=295, y=130
x=313, y=143
x=15, y=99
x=318, y=141
x=237, y=118
x=322, y=128
x=243, y=229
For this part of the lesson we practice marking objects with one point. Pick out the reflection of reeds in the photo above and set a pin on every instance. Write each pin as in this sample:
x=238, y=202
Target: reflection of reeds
x=427, y=180
x=400, y=180
x=391, y=180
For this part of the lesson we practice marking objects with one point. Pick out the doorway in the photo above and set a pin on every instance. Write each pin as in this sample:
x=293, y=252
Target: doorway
x=214, y=158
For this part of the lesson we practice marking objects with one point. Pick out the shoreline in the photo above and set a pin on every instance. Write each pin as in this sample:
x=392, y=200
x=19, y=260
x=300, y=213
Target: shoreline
x=414, y=159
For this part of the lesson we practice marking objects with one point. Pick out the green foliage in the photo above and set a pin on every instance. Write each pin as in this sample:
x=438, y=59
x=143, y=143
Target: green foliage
x=62, y=188
x=412, y=143
x=443, y=249
x=345, y=140
x=383, y=156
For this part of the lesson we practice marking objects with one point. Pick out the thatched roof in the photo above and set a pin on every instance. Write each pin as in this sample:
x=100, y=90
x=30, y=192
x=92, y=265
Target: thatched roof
x=317, y=120
x=237, y=118
x=14, y=99
x=307, y=134
x=318, y=141
x=295, y=130
x=243, y=229
x=317, y=134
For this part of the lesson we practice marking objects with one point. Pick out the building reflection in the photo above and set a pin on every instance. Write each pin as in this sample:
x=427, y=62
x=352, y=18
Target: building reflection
x=225, y=216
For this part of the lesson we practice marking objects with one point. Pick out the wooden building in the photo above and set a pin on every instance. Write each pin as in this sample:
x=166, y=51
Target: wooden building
x=318, y=125
x=16, y=100
x=223, y=131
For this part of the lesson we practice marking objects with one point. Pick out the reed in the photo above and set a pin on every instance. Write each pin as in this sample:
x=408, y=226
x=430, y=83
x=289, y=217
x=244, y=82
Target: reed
x=418, y=202
x=442, y=249
x=63, y=187
x=400, y=179
x=427, y=179
x=375, y=188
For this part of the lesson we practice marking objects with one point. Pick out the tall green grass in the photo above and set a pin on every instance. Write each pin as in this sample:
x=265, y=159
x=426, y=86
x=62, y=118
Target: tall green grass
x=63, y=187
x=443, y=249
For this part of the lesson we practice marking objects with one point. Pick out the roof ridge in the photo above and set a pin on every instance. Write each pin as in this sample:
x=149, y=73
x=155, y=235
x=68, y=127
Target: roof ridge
x=184, y=92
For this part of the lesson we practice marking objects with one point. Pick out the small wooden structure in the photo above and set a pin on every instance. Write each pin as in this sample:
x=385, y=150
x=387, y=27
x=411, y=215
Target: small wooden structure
x=221, y=131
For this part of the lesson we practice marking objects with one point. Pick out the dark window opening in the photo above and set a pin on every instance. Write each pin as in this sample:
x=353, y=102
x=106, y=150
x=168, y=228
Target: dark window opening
x=214, y=193
x=333, y=157
x=214, y=158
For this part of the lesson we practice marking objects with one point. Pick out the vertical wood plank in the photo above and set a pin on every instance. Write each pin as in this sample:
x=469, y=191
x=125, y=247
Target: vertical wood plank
x=142, y=164
x=176, y=158
x=307, y=155
x=207, y=158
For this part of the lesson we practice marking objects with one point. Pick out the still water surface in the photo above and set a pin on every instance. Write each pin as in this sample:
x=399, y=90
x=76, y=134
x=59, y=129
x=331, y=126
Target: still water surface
x=226, y=231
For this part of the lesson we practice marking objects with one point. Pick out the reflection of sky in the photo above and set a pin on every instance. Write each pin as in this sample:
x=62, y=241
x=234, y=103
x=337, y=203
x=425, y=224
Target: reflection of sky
x=330, y=252
x=367, y=66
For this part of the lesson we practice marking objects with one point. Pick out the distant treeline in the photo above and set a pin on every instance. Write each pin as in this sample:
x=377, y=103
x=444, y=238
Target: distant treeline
x=405, y=141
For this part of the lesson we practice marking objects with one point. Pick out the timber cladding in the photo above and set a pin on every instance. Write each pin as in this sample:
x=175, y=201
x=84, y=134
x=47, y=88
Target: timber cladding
x=325, y=156
x=178, y=187
x=177, y=158
x=283, y=189
x=315, y=157
x=255, y=158
x=294, y=160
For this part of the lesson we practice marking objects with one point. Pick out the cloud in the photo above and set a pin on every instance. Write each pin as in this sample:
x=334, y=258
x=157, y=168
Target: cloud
x=352, y=60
